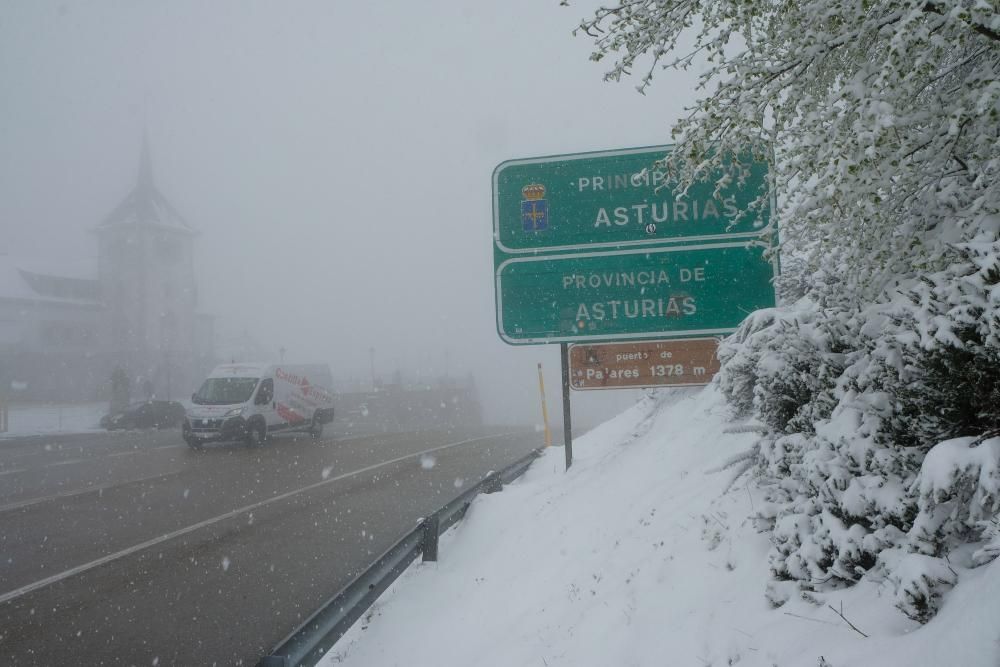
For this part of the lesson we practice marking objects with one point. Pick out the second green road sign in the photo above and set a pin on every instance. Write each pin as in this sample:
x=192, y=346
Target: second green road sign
x=625, y=295
x=592, y=247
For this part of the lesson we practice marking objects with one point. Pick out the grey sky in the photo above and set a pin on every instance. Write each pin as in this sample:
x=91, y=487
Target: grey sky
x=335, y=157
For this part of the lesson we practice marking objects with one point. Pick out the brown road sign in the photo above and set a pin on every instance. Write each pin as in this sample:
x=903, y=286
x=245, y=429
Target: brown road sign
x=655, y=363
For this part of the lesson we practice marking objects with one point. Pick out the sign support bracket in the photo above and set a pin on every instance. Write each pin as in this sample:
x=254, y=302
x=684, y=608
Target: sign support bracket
x=567, y=419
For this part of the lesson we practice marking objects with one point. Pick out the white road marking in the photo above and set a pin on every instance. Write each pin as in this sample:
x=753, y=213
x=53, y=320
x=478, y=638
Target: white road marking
x=64, y=463
x=141, y=450
x=98, y=458
x=133, y=452
x=11, y=472
x=79, y=569
x=79, y=492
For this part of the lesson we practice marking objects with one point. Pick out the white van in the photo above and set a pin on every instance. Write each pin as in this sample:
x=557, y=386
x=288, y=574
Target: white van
x=250, y=401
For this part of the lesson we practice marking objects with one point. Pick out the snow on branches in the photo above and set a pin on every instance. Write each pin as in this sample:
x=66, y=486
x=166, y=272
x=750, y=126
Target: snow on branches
x=883, y=117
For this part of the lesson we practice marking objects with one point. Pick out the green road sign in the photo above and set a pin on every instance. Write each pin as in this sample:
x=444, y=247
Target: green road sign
x=593, y=247
x=664, y=292
x=617, y=199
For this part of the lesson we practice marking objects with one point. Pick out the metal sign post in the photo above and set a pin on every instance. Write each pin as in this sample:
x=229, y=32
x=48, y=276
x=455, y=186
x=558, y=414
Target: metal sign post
x=545, y=409
x=567, y=419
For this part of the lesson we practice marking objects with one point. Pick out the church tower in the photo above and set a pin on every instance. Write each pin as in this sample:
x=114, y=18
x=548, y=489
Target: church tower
x=146, y=266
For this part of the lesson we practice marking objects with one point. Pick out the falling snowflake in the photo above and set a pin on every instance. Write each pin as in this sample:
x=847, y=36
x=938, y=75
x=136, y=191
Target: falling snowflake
x=459, y=482
x=225, y=563
x=326, y=471
x=427, y=461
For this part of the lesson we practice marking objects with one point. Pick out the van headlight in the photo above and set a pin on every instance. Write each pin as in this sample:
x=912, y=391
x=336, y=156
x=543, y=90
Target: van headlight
x=235, y=412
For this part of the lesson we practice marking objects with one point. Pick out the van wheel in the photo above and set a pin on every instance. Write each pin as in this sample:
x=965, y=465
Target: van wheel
x=316, y=429
x=256, y=435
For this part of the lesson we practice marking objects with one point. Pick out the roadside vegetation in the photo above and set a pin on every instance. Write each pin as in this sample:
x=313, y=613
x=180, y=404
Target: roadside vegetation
x=877, y=379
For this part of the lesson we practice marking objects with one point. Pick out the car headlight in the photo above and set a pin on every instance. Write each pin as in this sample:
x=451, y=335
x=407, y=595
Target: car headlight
x=235, y=412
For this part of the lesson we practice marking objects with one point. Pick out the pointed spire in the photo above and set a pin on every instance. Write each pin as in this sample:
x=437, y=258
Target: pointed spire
x=145, y=181
x=145, y=205
x=145, y=191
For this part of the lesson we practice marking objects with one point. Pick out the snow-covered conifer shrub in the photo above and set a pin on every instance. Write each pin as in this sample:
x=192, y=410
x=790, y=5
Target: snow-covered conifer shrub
x=797, y=371
x=866, y=476
x=952, y=338
x=920, y=582
x=739, y=355
x=783, y=365
x=958, y=494
x=856, y=402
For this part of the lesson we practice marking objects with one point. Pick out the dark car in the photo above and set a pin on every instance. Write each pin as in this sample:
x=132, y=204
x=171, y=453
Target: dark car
x=146, y=414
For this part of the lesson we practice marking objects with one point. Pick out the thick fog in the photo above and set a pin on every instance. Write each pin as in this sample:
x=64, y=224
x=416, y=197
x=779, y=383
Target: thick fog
x=334, y=158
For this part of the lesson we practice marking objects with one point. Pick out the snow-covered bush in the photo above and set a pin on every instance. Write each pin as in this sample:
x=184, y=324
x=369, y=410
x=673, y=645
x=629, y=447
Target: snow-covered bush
x=952, y=325
x=920, y=582
x=779, y=363
x=739, y=355
x=798, y=370
x=958, y=494
x=856, y=403
x=834, y=502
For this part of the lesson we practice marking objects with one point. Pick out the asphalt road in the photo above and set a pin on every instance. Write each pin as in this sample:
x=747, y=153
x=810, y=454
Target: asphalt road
x=131, y=549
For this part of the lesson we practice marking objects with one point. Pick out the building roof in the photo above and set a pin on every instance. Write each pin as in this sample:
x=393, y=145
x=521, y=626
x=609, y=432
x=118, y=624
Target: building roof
x=22, y=281
x=145, y=205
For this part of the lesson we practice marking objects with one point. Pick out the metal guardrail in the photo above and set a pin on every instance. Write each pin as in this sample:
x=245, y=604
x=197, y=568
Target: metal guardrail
x=307, y=645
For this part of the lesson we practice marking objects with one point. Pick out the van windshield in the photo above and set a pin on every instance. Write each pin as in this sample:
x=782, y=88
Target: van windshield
x=224, y=391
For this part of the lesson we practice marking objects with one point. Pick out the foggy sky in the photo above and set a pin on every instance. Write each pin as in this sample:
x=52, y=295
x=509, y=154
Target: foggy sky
x=335, y=159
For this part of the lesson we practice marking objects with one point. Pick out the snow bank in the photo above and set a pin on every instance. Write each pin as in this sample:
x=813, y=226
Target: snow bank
x=644, y=554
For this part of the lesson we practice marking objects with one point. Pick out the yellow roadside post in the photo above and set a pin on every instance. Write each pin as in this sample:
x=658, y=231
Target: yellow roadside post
x=545, y=410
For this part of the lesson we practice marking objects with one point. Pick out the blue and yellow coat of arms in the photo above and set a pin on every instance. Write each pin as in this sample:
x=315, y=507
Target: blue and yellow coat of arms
x=534, y=208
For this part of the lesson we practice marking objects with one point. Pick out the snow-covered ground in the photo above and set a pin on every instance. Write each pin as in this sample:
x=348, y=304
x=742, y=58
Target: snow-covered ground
x=43, y=419
x=639, y=555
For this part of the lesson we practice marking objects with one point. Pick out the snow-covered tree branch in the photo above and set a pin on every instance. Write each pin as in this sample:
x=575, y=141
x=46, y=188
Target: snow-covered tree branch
x=883, y=115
